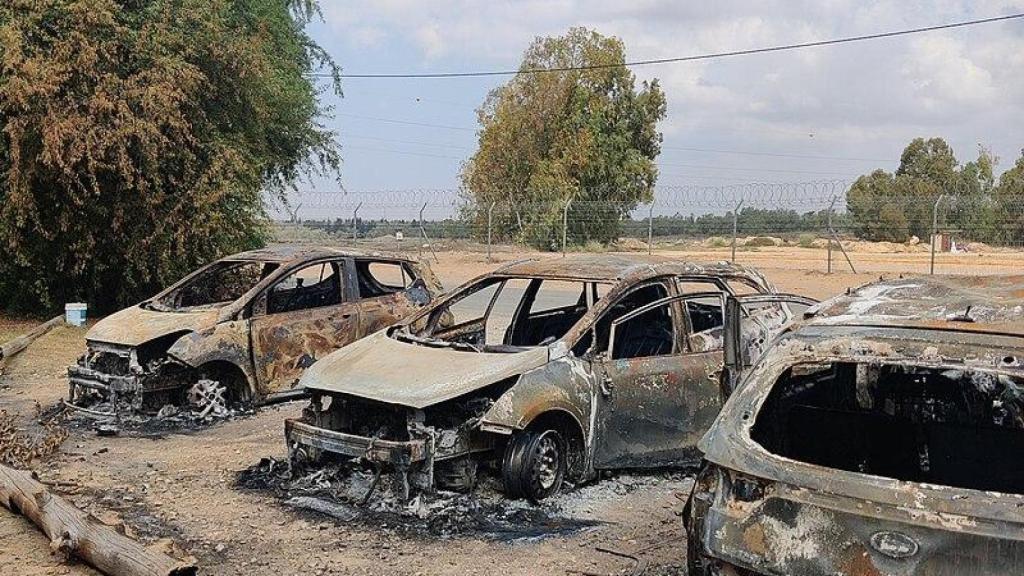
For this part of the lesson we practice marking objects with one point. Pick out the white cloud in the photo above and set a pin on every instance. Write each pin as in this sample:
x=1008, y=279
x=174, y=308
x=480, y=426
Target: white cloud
x=965, y=84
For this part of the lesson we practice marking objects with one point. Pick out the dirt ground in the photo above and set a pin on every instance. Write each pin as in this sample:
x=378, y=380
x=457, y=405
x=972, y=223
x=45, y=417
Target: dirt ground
x=176, y=491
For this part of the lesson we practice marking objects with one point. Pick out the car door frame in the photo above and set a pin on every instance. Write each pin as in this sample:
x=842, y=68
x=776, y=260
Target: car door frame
x=382, y=310
x=737, y=356
x=344, y=319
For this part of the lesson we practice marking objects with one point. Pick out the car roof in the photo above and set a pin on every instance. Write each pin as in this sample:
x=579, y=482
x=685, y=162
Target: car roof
x=616, y=267
x=293, y=252
x=992, y=304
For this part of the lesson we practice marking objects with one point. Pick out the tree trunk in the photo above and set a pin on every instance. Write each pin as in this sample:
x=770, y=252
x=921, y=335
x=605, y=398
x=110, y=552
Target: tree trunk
x=12, y=347
x=76, y=533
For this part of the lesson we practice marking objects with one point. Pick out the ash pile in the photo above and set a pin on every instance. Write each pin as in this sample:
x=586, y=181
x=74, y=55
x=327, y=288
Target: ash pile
x=354, y=494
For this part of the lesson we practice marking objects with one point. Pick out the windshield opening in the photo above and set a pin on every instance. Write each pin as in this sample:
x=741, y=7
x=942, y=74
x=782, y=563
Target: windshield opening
x=507, y=314
x=961, y=428
x=221, y=284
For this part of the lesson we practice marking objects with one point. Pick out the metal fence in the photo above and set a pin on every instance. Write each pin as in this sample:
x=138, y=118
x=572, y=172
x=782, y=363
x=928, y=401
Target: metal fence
x=817, y=226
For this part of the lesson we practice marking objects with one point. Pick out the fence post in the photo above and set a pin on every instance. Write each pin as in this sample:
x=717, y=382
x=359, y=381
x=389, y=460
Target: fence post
x=735, y=228
x=490, y=212
x=355, y=222
x=650, y=228
x=829, y=224
x=834, y=236
x=935, y=230
x=565, y=224
x=424, y=232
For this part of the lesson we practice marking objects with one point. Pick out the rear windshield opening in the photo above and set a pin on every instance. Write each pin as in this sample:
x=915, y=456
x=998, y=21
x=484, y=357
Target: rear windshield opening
x=960, y=428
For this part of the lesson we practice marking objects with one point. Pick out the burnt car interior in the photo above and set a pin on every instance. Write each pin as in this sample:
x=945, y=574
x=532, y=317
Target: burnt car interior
x=309, y=287
x=220, y=284
x=517, y=313
x=382, y=278
x=955, y=427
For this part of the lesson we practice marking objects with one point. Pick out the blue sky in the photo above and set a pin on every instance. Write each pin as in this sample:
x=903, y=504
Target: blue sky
x=854, y=106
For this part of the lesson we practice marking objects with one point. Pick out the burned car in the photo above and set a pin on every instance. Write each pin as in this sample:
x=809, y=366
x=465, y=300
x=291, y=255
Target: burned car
x=543, y=370
x=242, y=329
x=879, y=435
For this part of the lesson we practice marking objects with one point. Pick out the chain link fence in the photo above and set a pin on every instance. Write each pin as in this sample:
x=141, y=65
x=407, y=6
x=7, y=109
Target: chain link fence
x=824, y=226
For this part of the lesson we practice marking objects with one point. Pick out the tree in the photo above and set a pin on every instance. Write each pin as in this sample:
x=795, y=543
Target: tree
x=1009, y=203
x=139, y=136
x=894, y=206
x=582, y=135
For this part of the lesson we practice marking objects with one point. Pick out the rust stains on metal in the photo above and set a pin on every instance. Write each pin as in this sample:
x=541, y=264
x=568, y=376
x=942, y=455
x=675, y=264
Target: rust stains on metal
x=250, y=323
x=874, y=437
x=564, y=368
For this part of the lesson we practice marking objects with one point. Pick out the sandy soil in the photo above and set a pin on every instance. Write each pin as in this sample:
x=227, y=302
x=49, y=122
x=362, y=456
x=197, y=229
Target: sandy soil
x=180, y=486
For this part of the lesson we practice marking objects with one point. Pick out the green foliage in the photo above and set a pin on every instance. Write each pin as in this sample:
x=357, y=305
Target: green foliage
x=138, y=137
x=1008, y=206
x=587, y=136
x=893, y=206
x=806, y=241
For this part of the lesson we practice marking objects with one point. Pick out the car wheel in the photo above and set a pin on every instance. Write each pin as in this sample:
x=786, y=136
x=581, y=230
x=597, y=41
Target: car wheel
x=534, y=464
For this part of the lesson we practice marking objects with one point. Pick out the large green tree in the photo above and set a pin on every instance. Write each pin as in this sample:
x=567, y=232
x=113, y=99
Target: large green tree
x=1009, y=202
x=139, y=137
x=894, y=206
x=546, y=138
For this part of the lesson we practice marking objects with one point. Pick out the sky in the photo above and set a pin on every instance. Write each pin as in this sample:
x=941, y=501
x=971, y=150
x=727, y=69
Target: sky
x=829, y=113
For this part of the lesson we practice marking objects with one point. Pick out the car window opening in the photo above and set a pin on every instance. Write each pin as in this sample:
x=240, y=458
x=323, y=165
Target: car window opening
x=312, y=286
x=506, y=314
x=219, y=285
x=382, y=278
x=953, y=427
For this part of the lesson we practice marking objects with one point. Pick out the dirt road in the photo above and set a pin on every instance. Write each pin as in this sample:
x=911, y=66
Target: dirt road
x=181, y=485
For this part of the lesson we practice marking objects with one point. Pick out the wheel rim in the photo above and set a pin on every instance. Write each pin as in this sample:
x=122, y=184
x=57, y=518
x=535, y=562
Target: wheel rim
x=208, y=397
x=546, y=462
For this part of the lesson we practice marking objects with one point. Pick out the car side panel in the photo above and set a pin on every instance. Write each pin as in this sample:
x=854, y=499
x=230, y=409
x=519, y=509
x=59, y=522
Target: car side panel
x=225, y=342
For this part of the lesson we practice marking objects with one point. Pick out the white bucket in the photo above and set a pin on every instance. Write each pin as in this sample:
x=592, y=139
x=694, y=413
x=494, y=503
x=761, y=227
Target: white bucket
x=74, y=313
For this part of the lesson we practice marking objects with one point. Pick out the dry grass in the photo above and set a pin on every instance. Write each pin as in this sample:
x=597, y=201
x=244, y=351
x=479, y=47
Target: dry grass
x=19, y=448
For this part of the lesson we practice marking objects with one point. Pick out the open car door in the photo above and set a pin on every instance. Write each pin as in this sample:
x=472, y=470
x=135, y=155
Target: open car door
x=751, y=321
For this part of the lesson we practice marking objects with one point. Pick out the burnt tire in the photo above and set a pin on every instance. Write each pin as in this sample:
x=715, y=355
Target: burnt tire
x=534, y=465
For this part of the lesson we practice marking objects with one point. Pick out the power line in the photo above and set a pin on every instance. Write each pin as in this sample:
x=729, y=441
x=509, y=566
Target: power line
x=407, y=152
x=744, y=169
x=749, y=51
x=773, y=154
x=406, y=122
x=410, y=142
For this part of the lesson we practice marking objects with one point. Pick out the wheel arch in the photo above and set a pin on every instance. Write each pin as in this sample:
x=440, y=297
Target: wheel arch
x=570, y=428
x=222, y=369
x=226, y=344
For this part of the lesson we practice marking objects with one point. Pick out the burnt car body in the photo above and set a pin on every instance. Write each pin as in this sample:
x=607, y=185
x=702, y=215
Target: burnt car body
x=879, y=436
x=243, y=328
x=547, y=369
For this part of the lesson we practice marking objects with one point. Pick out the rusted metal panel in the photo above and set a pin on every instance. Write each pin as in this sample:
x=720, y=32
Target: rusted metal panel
x=150, y=348
x=776, y=513
x=384, y=369
x=654, y=410
x=991, y=304
x=135, y=326
x=468, y=397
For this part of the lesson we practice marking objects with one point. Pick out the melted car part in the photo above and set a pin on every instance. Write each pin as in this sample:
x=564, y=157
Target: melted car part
x=951, y=427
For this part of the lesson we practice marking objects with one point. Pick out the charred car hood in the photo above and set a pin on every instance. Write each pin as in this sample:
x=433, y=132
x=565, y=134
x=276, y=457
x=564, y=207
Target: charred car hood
x=135, y=326
x=387, y=370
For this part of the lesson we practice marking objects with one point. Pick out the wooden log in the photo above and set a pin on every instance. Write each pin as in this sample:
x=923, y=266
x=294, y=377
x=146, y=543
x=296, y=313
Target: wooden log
x=12, y=347
x=78, y=534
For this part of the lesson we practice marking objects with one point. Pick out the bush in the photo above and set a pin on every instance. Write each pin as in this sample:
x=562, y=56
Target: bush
x=806, y=241
x=759, y=242
x=139, y=138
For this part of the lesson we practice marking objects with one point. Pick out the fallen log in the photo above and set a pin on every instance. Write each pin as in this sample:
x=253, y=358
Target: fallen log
x=12, y=347
x=75, y=533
